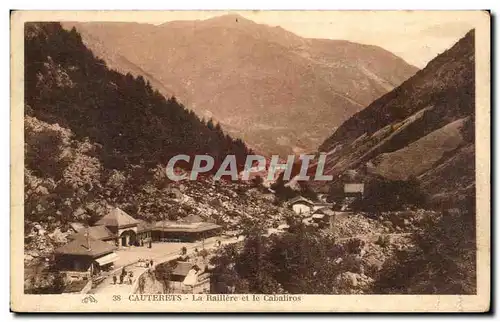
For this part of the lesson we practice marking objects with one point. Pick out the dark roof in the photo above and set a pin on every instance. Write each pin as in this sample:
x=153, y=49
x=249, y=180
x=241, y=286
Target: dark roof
x=95, y=232
x=299, y=199
x=182, y=268
x=174, y=226
x=117, y=218
x=80, y=246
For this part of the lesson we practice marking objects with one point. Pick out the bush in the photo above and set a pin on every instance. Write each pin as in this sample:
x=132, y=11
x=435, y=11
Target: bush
x=443, y=260
x=384, y=195
x=383, y=241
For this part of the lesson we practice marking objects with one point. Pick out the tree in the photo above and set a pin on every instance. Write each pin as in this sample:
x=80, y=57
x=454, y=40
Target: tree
x=301, y=261
x=389, y=195
x=443, y=260
x=257, y=181
x=163, y=273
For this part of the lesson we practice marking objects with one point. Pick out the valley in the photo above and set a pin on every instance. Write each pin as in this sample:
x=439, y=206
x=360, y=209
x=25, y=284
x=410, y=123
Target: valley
x=108, y=105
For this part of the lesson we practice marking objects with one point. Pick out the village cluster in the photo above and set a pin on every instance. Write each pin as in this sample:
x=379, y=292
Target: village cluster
x=118, y=248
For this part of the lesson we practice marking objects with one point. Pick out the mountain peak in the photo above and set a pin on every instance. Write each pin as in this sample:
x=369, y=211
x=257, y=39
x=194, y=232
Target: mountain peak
x=230, y=18
x=258, y=81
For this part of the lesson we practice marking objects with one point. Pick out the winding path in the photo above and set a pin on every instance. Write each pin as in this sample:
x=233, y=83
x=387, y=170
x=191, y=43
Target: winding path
x=106, y=286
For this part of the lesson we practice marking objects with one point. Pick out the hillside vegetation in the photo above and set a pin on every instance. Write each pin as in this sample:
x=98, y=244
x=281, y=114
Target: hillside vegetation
x=423, y=129
x=96, y=138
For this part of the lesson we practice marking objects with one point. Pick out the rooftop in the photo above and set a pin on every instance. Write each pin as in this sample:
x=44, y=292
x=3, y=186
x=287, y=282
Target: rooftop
x=95, y=232
x=182, y=268
x=117, y=218
x=299, y=199
x=187, y=227
x=85, y=247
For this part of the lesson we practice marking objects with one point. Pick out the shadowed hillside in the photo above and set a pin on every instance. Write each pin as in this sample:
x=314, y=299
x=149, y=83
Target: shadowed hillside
x=95, y=137
x=423, y=128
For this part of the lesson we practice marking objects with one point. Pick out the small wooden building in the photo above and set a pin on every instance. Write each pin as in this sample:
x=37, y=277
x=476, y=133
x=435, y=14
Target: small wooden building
x=187, y=277
x=185, y=232
x=300, y=205
x=84, y=257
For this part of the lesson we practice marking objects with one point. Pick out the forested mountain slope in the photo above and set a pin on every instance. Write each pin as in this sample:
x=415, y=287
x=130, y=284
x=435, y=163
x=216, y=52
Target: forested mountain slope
x=423, y=129
x=96, y=138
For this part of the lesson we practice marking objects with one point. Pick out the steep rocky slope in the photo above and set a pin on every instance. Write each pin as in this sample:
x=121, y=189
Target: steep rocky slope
x=423, y=128
x=278, y=91
x=95, y=138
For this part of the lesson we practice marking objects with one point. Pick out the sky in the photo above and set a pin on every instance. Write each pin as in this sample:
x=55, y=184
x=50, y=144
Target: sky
x=415, y=36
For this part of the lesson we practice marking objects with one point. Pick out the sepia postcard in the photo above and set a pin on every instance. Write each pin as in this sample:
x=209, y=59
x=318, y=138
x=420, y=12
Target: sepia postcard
x=250, y=161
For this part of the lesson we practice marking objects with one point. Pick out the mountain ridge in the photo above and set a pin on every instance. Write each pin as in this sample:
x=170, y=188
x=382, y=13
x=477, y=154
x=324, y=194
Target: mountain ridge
x=266, y=85
x=422, y=130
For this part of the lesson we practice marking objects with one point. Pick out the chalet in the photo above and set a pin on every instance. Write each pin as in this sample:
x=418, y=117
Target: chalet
x=304, y=206
x=183, y=231
x=187, y=277
x=300, y=205
x=122, y=225
x=120, y=229
x=84, y=257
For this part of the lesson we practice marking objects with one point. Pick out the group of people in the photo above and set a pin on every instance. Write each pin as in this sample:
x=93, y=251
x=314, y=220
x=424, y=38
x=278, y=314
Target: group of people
x=127, y=277
x=146, y=262
x=146, y=241
x=124, y=277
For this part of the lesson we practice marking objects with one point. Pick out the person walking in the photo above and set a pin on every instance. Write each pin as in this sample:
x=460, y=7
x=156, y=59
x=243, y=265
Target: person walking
x=151, y=263
x=114, y=279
